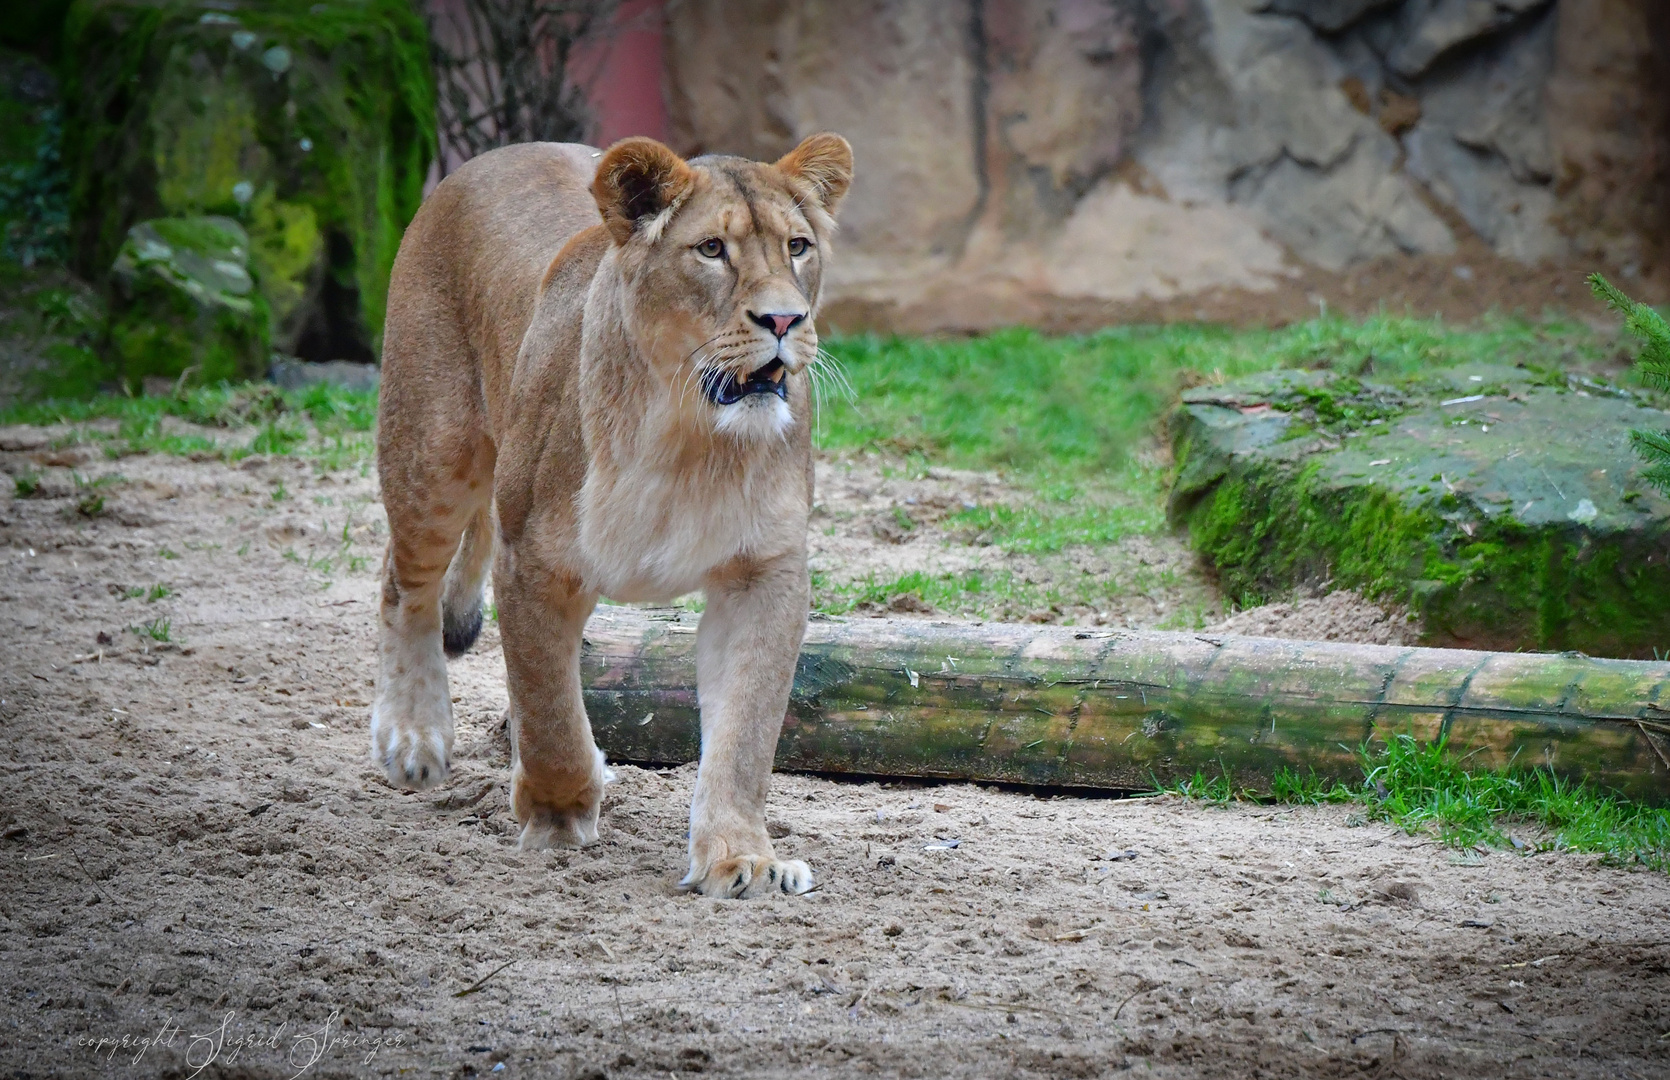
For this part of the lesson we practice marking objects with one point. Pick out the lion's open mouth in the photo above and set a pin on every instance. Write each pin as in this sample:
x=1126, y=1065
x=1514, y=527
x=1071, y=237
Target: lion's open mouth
x=724, y=388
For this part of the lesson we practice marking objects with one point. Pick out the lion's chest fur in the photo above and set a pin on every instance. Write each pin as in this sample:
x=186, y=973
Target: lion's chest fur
x=649, y=534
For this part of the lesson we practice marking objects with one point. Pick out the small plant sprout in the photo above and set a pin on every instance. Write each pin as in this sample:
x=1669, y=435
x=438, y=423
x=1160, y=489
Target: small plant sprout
x=159, y=629
x=159, y=591
x=26, y=483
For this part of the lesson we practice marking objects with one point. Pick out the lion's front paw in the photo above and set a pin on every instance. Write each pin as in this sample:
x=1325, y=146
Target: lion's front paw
x=411, y=754
x=558, y=818
x=411, y=722
x=746, y=876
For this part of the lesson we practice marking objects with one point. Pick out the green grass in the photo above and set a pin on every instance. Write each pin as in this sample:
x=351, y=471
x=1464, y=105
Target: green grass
x=1425, y=787
x=1044, y=409
x=986, y=594
x=1063, y=514
x=1075, y=407
x=325, y=422
x=159, y=629
x=995, y=594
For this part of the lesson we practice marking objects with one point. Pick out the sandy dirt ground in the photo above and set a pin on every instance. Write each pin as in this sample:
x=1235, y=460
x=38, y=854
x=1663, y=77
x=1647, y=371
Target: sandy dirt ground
x=198, y=867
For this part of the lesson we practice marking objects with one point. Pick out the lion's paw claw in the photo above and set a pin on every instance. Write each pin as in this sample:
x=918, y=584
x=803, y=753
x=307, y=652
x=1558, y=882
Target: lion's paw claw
x=744, y=877
x=413, y=760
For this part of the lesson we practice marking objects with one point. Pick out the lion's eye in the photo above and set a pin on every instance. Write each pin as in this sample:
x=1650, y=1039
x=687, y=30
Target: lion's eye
x=712, y=247
x=798, y=246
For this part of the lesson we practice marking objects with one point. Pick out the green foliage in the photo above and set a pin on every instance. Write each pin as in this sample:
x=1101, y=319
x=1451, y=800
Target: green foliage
x=51, y=324
x=313, y=123
x=1078, y=406
x=1427, y=787
x=1653, y=366
x=34, y=197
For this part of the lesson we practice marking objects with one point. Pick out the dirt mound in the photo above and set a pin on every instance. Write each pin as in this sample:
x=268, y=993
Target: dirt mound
x=1339, y=616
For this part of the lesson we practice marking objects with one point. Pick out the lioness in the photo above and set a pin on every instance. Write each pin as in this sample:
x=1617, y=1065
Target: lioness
x=613, y=351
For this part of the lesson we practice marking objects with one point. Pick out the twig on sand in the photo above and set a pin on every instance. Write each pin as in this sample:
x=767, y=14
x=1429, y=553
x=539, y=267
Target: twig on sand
x=1128, y=997
x=90, y=878
x=1375, y=1031
x=479, y=983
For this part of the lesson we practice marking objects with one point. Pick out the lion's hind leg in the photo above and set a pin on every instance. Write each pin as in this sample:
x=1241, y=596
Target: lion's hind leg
x=461, y=591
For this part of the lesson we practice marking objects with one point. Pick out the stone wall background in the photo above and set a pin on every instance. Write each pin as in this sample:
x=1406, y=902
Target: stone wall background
x=1073, y=161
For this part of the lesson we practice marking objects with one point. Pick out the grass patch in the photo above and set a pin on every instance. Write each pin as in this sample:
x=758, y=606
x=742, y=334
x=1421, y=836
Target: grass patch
x=996, y=594
x=1078, y=406
x=326, y=422
x=981, y=594
x=1064, y=514
x=1423, y=787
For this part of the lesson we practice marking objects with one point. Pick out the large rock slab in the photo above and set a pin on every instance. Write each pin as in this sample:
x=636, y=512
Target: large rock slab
x=311, y=124
x=184, y=304
x=1502, y=505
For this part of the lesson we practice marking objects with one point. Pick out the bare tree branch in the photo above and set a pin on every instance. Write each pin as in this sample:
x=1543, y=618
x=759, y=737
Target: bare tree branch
x=505, y=75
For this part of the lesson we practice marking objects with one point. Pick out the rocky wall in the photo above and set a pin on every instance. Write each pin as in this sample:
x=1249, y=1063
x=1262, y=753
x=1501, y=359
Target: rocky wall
x=1118, y=151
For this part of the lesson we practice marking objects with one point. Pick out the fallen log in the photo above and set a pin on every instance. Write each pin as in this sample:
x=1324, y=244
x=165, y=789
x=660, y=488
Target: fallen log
x=1092, y=708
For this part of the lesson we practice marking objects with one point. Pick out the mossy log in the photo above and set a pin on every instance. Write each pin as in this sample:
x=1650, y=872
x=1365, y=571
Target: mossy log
x=1069, y=707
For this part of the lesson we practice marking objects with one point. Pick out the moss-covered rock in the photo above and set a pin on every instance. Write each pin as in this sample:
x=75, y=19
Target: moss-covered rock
x=310, y=123
x=184, y=303
x=1503, y=505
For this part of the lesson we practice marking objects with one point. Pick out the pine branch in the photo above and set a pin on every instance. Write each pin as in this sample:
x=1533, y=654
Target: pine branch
x=1642, y=320
x=1653, y=365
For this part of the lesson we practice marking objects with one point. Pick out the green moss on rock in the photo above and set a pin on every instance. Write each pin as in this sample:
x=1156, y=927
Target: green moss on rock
x=1506, y=512
x=311, y=123
x=184, y=303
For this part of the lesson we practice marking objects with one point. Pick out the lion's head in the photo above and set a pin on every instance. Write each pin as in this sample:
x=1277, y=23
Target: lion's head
x=721, y=263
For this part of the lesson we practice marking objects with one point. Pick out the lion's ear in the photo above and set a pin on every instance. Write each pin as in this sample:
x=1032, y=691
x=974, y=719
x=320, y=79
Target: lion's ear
x=823, y=163
x=636, y=180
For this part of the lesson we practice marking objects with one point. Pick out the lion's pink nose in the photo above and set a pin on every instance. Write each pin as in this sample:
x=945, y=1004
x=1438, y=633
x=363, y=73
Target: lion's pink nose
x=778, y=324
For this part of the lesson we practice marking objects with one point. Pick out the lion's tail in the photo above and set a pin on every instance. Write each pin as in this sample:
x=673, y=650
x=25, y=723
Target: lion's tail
x=461, y=592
